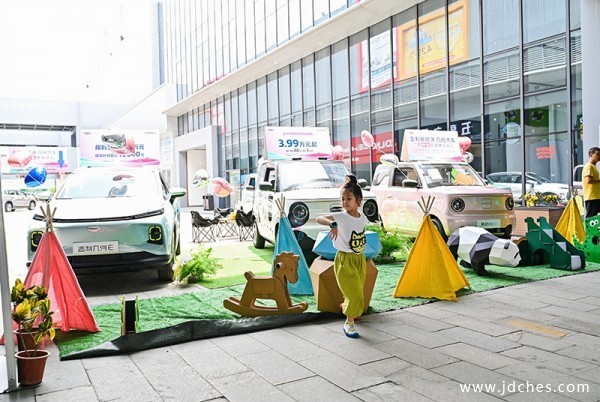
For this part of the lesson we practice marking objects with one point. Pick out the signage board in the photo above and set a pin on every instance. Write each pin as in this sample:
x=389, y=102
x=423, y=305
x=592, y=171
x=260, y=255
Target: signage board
x=123, y=147
x=430, y=145
x=291, y=142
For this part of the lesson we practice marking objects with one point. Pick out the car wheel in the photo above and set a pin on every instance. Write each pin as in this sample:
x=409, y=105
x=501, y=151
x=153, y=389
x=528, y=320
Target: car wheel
x=31, y=205
x=165, y=273
x=259, y=241
x=440, y=228
x=8, y=206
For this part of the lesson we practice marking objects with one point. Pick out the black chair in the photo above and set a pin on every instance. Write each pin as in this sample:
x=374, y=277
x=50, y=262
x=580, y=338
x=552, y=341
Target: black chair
x=202, y=228
x=222, y=212
x=245, y=221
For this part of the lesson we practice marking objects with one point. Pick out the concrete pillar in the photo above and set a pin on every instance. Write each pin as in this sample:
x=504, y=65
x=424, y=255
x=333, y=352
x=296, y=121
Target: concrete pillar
x=590, y=49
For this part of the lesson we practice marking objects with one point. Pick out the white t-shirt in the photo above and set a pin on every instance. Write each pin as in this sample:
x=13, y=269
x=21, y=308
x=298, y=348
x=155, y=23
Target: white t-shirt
x=351, y=232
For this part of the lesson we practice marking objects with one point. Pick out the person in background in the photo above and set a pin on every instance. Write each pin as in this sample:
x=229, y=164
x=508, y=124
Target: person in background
x=350, y=266
x=591, y=184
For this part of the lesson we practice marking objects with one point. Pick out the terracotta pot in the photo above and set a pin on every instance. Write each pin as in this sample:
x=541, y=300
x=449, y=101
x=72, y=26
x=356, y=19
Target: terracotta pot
x=25, y=341
x=552, y=215
x=31, y=366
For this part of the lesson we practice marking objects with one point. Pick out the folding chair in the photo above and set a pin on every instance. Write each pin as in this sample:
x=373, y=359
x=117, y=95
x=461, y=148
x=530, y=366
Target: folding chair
x=202, y=228
x=245, y=222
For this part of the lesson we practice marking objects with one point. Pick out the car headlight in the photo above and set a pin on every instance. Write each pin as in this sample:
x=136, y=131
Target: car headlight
x=34, y=240
x=298, y=214
x=457, y=204
x=509, y=203
x=371, y=210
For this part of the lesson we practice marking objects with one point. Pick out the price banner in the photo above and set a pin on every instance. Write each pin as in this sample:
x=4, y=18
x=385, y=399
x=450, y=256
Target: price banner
x=297, y=142
x=430, y=145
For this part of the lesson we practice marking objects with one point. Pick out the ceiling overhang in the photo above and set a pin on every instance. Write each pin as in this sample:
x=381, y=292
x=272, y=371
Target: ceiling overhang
x=353, y=20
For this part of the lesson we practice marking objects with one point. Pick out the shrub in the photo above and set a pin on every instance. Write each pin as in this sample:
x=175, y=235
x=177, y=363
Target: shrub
x=393, y=245
x=196, y=263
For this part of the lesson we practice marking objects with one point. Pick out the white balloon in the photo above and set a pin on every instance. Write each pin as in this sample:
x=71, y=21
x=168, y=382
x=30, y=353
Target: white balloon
x=389, y=160
x=201, y=178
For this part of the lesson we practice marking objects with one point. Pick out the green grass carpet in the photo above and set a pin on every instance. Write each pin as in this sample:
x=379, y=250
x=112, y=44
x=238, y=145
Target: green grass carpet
x=167, y=311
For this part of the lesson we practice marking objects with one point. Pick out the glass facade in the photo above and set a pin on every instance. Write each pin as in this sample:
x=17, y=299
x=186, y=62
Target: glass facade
x=514, y=88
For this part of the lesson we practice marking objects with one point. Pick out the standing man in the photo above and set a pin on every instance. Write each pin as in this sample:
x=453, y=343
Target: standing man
x=591, y=184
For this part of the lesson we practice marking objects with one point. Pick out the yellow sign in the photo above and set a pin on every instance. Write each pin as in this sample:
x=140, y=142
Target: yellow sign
x=432, y=41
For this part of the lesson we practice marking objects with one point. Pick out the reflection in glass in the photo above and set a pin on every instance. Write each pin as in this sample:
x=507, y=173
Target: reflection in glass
x=501, y=76
x=500, y=36
x=542, y=18
x=546, y=113
x=548, y=156
x=544, y=65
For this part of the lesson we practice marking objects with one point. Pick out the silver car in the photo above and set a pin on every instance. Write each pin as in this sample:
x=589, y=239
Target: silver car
x=12, y=199
x=111, y=218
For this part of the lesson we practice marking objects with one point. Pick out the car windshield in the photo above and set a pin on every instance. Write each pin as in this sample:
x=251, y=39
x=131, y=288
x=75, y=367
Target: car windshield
x=311, y=174
x=536, y=177
x=100, y=183
x=450, y=174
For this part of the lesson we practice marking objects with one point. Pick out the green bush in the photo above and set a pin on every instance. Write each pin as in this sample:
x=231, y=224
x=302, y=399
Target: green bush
x=195, y=264
x=393, y=245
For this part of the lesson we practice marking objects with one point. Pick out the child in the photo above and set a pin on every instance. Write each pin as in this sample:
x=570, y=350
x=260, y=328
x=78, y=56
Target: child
x=348, y=235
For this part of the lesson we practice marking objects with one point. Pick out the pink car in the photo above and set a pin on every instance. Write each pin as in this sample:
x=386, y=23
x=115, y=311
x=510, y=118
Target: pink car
x=461, y=198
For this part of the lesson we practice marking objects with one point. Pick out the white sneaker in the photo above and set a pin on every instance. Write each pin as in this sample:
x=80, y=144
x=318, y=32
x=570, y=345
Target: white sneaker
x=350, y=330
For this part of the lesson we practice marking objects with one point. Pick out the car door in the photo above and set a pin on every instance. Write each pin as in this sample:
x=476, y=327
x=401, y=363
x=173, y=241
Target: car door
x=400, y=200
x=21, y=199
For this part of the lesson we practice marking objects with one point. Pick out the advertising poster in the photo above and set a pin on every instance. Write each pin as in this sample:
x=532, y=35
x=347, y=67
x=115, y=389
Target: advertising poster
x=290, y=142
x=432, y=41
x=123, y=147
x=19, y=160
x=381, y=62
x=430, y=145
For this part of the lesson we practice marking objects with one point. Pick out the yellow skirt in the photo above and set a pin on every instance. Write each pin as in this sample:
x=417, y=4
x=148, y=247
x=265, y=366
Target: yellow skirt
x=350, y=273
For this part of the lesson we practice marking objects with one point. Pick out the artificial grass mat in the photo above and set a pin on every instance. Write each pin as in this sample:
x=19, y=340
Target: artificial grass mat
x=169, y=311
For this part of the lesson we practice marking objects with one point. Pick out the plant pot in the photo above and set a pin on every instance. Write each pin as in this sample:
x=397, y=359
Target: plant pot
x=25, y=340
x=552, y=215
x=31, y=366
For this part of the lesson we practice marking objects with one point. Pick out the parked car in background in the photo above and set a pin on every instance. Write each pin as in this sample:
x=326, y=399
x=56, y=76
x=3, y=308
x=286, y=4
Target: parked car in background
x=114, y=218
x=461, y=198
x=578, y=180
x=248, y=189
x=535, y=184
x=12, y=199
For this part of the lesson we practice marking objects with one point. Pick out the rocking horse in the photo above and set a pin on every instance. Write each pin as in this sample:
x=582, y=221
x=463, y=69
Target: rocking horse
x=269, y=287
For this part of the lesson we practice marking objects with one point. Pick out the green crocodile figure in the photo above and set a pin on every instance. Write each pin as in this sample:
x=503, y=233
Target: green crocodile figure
x=591, y=243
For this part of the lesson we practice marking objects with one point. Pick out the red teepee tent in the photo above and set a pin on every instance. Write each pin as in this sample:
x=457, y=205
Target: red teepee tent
x=50, y=268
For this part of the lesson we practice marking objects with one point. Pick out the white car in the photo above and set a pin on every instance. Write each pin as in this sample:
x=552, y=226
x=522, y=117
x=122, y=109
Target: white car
x=311, y=188
x=535, y=184
x=12, y=199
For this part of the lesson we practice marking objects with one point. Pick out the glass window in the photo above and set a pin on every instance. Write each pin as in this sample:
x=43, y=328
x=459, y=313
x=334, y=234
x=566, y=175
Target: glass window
x=235, y=115
x=576, y=104
x=341, y=126
x=259, y=17
x=432, y=38
x=545, y=65
x=399, y=128
x=306, y=14
x=271, y=24
x=321, y=11
x=546, y=113
x=272, y=96
x=502, y=121
x=549, y=156
x=323, y=76
x=359, y=63
x=337, y=6
x=261, y=95
x=252, y=103
x=501, y=76
x=294, y=7
x=243, y=149
x=575, y=13
x=296, y=85
x=243, y=107
x=284, y=91
x=339, y=64
x=308, y=81
x=250, y=39
x=404, y=44
x=380, y=55
x=497, y=37
x=542, y=18
x=283, y=33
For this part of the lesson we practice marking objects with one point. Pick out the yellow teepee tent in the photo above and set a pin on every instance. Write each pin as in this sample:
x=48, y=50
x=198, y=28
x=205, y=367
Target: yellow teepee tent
x=431, y=270
x=570, y=223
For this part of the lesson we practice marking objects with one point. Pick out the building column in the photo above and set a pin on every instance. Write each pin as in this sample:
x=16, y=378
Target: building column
x=590, y=53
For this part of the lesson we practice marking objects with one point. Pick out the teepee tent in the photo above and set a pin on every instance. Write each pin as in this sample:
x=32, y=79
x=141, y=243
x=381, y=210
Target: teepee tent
x=431, y=270
x=570, y=223
x=51, y=268
x=286, y=241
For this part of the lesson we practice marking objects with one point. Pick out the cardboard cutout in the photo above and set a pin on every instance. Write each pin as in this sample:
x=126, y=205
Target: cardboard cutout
x=569, y=225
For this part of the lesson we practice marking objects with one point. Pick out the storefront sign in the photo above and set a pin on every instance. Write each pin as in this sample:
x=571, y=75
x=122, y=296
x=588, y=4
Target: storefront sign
x=124, y=147
x=291, y=142
x=430, y=145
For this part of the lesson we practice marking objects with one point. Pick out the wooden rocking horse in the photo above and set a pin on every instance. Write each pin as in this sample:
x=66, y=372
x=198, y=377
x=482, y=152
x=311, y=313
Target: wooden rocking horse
x=269, y=287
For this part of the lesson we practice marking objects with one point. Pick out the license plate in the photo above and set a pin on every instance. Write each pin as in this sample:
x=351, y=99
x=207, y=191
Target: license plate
x=488, y=223
x=99, y=247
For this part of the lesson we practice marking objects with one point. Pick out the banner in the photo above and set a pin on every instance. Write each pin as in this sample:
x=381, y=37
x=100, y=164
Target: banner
x=430, y=145
x=304, y=142
x=20, y=160
x=123, y=147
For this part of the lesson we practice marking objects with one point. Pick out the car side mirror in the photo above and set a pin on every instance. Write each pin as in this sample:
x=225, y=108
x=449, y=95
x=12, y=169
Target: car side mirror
x=176, y=192
x=250, y=187
x=265, y=186
x=362, y=183
x=410, y=183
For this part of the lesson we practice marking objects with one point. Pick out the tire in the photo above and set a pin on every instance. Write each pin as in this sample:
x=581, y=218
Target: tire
x=8, y=207
x=165, y=273
x=259, y=241
x=31, y=205
x=440, y=228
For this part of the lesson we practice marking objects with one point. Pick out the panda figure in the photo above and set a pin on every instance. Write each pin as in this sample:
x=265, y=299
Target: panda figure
x=477, y=247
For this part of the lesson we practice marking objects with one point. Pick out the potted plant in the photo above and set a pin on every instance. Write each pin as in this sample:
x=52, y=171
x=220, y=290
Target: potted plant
x=31, y=312
x=536, y=205
x=194, y=265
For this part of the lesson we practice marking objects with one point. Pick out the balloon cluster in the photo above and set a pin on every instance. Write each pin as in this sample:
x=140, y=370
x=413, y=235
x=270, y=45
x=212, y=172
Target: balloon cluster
x=465, y=143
